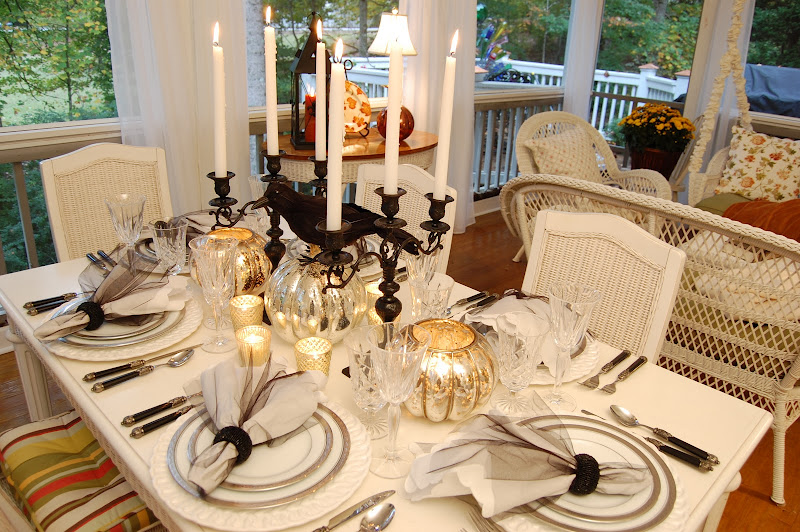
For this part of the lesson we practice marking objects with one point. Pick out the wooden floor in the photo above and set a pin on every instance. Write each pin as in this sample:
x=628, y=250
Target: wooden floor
x=481, y=258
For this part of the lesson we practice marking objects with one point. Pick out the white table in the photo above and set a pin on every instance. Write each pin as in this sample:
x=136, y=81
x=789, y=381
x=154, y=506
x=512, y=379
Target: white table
x=721, y=424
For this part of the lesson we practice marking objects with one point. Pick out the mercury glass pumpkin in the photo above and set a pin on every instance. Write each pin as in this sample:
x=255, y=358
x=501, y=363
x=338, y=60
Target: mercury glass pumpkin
x=298, y=308
x=457, y=374
x=252, y=265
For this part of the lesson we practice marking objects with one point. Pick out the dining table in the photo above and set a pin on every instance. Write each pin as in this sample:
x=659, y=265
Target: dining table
x=709, y=419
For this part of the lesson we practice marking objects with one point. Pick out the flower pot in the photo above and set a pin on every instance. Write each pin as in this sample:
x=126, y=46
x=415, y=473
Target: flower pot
x=661, y=161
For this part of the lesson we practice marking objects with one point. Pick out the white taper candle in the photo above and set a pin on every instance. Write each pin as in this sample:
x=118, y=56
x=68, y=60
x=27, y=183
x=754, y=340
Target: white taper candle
x=270, y=58
x=445, y=122
x=320, y=144
x=336, y=141
x=220, y=154
x=393, y=117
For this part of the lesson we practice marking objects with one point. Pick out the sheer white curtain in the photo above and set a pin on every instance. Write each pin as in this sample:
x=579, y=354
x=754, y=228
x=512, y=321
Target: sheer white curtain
x=161, y=56
x=431, y=25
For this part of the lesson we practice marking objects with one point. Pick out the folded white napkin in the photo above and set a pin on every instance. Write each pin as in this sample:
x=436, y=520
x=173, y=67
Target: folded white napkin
x=170, y=295
x=487, y=317
x=263, y=401
x=504, y=465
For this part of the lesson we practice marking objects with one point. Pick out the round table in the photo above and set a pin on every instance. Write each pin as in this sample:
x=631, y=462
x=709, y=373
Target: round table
x=417, y=149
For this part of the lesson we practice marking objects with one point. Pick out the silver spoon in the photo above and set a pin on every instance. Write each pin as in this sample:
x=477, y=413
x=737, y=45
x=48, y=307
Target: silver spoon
x=176, y=361
x=627, y=418
x=377, y=518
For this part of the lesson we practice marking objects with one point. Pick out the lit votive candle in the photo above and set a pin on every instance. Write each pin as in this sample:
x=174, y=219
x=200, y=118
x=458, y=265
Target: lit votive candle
x=246, y=310
x=313, y=353
x=253, y=342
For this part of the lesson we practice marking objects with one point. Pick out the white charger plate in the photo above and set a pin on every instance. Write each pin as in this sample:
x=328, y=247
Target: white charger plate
x=306, y=509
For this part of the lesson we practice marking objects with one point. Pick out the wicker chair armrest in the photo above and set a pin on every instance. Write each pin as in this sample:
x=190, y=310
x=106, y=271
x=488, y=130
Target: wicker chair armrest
x=644, y=181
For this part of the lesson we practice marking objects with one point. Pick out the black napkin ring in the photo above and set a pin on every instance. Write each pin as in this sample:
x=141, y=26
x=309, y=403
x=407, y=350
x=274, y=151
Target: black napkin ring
x=240, y=439
x=587, y=475
x=95, y=313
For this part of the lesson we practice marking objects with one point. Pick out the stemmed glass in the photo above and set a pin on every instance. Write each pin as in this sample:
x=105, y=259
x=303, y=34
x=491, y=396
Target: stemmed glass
x=126, y=215
x=571, y=306
x=216, y=259
x=398, y=349
x=169, y=239
x=364, y=381
x=520, y=336
x=421, y=267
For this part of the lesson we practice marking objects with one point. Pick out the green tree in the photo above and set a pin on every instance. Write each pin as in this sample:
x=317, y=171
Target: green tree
x=58, y=53
x=775, y=38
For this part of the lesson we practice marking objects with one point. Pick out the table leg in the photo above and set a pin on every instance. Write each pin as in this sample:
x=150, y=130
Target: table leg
x=31, y=373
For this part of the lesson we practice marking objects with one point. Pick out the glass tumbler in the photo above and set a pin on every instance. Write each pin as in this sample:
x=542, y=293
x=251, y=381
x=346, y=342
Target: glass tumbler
x=169, y=239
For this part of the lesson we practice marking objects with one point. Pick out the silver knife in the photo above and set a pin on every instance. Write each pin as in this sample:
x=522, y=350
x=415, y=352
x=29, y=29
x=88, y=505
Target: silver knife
x=354, y=510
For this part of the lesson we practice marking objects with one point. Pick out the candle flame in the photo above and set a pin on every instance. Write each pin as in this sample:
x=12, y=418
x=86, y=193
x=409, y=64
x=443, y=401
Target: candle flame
x=454, y=43
x=339, y=51
x=216, y=34
x=319, y=29
x=268, y=15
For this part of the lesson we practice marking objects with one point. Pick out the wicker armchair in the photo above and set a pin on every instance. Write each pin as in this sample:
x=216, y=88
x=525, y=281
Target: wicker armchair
x=736, y=321
x=76, y=185
x=551, y=123
x=413, y=206
x=702, y=184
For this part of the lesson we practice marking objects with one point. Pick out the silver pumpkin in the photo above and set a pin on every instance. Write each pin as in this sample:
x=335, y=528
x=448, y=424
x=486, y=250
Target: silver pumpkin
x=457, y=374
x=298, y=308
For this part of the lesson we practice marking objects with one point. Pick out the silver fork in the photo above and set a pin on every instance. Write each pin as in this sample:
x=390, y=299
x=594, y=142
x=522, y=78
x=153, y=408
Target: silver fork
x=612, y=388
x=483, y=524
x=594, y=381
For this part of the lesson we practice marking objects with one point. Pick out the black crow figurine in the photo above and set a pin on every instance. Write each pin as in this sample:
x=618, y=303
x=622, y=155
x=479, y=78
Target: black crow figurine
x=303, y=213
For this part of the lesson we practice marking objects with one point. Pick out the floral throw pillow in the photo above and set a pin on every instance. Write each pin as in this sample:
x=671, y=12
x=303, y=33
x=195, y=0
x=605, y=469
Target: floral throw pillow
x=761, y=167
x=568, y=154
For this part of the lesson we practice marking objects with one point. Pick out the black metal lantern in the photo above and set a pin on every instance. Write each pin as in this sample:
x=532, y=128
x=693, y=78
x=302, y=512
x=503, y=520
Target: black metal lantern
x=304, y=63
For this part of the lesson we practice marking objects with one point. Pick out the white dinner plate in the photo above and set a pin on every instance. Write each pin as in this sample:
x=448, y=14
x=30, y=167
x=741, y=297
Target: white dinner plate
x=170, y=321
x=114, y=330
x=652, y=508
x=186, y=322
x=275, y=467
x=181, y=450
x=313, y=505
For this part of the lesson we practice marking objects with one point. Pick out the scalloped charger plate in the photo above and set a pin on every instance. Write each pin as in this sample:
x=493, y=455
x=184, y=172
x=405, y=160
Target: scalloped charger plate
x=357, y=111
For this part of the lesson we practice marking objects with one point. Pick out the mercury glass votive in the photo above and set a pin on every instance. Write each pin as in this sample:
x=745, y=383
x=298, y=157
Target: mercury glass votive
x=253, y=342
x=246, y=310
x=313, y=353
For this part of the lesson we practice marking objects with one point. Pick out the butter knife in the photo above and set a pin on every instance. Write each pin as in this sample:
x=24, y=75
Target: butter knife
x=355, y=510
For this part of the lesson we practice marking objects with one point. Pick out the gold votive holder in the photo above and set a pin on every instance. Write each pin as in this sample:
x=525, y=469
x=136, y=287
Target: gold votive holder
x=373, y=293
x=313, y=353
x=253, y=342
x=246, y=310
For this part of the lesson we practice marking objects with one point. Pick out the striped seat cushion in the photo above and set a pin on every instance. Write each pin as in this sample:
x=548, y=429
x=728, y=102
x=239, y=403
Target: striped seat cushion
x=64, y=481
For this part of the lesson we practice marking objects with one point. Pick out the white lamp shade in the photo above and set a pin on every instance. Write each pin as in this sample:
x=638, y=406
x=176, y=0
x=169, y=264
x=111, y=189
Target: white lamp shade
x=393, y=26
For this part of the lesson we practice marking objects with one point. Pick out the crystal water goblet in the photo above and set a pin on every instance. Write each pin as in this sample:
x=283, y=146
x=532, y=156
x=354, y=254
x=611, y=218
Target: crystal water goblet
x=215, y=260
x=429, y=297
x=169, y=240
x=421, y=267
x=398, y=351
x=364, y=382
x=571, y=306
x=126, y=212
x=520, y=336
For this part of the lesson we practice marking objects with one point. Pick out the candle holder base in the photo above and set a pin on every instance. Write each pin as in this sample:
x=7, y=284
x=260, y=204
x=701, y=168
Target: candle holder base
x=320, y=184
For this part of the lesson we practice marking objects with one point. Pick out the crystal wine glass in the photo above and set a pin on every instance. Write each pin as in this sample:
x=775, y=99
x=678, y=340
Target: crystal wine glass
x=398, y=350
x=421, y=267
x=169, y=239
x=429, y=297
x=126, y=215
x=364, y=381
x=215, y=258
x=520, y=336
x=571, y=306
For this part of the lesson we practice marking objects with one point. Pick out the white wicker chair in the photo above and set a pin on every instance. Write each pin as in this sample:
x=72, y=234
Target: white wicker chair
x=736, y=322
x=636, y=273
x=76, y=185
x=413, y=205
x=550, y=123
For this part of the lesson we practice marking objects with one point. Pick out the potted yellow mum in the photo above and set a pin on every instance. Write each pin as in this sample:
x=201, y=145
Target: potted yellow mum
x=656, y=134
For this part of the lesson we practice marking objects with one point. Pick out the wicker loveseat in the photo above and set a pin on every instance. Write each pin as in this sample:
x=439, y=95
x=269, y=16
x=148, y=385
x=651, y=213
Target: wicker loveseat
x=736, y=321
